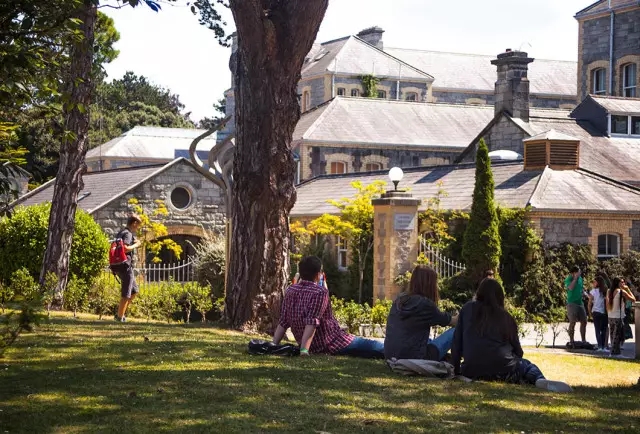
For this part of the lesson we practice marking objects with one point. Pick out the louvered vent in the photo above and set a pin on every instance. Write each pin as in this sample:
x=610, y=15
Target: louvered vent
x=563, y=155
x=535, y=155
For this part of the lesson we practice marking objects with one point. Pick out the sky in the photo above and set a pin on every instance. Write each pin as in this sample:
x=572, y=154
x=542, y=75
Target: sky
x=174, y=51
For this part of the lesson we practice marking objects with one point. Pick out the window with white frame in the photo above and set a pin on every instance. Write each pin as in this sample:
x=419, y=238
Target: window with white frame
x=306, y=101
x=343, y=247
x=411, y=96
x=371, y=167
x=342, y=91
x=382, y=94
x=337, y=167
x=355, y=92
x=629, y=80
x=598, y=80
x=608, y=246
x=624, y=125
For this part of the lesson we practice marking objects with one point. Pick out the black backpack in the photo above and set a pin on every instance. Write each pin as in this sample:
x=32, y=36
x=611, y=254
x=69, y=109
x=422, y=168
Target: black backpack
x=259, y=347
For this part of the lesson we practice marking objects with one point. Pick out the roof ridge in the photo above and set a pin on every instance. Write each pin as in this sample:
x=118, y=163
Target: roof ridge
x=473, y=54
x=334, y=40
x=417, y=104
x=543, y=182
x=608, y=180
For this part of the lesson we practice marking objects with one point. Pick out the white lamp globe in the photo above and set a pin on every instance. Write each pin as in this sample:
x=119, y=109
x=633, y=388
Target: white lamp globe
x=395, y=175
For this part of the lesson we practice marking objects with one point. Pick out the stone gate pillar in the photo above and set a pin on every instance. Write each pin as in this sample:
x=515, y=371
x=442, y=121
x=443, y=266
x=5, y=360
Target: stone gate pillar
x=395, y=240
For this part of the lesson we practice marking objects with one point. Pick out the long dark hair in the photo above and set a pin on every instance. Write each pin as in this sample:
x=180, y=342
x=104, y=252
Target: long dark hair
x=489, y=312
x=615, y=284
x=424, y=282
x=601, y=285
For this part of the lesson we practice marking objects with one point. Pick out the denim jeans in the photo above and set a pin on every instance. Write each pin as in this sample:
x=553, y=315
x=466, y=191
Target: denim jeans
x=601, y=324
x=365, y=348
x=444, y=342
x=527, y=372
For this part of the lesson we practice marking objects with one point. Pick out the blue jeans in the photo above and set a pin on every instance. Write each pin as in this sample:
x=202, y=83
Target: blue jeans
x=365, y=348
x=601, y=324
x=443, y=343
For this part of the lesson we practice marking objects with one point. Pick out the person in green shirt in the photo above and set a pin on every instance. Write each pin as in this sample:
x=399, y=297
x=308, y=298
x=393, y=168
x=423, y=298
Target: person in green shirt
x=574, y=285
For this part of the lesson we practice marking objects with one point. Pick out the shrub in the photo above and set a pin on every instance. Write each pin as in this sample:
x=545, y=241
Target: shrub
x=199, y=298
x=481, y=245
x=350, y=313
x=23, y=238
x=158, y=301
x=210, y=264
x=459, y=288
x=104, y=295
x=627, y=265
x=518, y=314
x=6, y=295
x=23, y=286
x=380, y=311
x=75, y=296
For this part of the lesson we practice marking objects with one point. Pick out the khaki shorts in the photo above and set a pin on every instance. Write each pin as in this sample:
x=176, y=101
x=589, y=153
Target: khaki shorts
x=576, y=313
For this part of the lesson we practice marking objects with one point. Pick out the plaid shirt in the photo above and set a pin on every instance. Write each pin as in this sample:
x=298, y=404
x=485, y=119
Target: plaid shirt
x=306, y=303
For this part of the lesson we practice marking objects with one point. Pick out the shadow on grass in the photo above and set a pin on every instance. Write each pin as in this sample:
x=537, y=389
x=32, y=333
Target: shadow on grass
x=93, y=377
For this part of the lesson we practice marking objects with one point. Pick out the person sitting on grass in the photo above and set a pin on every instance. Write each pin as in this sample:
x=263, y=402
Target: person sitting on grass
x=486, y=344
x=411, y=317
x=128, y=286
x=306, y=308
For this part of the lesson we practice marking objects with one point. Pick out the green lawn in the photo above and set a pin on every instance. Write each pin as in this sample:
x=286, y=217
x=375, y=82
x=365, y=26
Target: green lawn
x=99, y=376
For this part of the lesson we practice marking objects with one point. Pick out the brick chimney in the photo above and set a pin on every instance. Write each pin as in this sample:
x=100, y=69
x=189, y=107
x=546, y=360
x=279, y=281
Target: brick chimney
x=512, y=87
x=372, y=36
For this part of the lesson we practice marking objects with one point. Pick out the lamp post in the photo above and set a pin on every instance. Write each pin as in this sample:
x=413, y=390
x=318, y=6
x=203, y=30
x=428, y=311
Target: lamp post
x=395, y=175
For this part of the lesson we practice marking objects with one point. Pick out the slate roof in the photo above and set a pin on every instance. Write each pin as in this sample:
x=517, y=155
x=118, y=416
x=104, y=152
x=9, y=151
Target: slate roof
x=551, y=135
x=352, y=55
x=513, y=187
x=547, y=190
x=603, y=6
x=388, y=122
x=613, y=104
x=100, y=187
x=457, y=71
x=151, y=143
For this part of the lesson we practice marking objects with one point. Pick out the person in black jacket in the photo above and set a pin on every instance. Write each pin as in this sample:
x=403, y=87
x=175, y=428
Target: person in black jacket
x=486, y=342
x=412, y=315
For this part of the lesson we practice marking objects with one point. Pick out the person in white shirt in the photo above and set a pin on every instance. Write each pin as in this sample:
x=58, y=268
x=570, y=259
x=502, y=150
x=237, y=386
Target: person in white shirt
x=615, y=311
x=598, y=310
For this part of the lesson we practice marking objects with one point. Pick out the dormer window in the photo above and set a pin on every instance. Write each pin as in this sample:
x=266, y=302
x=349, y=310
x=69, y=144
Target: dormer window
x=342, y=91
x=624, y=125
x=599, y=81
x=629, y=80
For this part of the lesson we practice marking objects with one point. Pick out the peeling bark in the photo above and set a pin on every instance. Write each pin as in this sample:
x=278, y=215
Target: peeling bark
x=274, y=36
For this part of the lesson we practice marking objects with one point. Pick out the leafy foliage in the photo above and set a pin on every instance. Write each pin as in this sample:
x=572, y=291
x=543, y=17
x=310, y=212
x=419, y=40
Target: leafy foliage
x=76, y=295
x=103, y=297
x=200, y=297
x=626, y=265
x=355, y=223
x=370, y=86
x=210, y=263
x=23, y=237
x=434, y=221
x=25, y=290
x=152, y=230
x=481, y=248
x=518, y=240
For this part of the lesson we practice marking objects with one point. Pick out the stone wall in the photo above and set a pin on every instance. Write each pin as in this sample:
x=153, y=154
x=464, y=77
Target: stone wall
x=206, y=208
x=315, y=86
x=565, y=230
x=504, y=135
x=634, y=234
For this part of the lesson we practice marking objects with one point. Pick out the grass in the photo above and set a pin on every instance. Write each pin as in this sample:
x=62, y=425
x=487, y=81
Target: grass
x=80, y=376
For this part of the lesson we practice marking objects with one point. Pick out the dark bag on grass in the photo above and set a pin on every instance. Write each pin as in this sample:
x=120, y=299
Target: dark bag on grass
x=259, y=347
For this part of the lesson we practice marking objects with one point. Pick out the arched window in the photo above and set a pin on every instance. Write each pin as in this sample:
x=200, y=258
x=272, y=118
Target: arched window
x=355, y=92
x=338, y=167
x=371, y=167
x=382, y=94
x=411, y=96
x=306, y=101
x=342, y=91
x=629, y=80
x=608, y=246
x=599, y=81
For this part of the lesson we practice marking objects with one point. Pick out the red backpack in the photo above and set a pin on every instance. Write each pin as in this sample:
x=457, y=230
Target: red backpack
x=117, y=253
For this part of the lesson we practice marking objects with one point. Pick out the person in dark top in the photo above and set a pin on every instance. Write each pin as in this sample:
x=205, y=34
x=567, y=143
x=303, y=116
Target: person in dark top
x=129, y=287
x=412, y=315
x=486, y=342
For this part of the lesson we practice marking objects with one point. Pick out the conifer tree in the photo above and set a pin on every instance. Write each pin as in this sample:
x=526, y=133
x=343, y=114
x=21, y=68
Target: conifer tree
x=481, y=247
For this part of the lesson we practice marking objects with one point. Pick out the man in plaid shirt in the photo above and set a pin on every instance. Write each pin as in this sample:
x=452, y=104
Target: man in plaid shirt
x=307, y=310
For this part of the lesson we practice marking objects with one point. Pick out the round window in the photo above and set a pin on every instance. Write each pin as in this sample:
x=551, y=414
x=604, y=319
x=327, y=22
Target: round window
x=180, y=198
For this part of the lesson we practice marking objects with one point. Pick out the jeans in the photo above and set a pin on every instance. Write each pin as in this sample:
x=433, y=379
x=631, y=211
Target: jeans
x=600, y=323
x=527, y=372
x=443, y=343
x=365, y=348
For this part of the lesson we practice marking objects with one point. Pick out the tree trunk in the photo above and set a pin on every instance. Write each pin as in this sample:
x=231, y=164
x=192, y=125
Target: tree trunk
x=273, y=39
x=72, y=152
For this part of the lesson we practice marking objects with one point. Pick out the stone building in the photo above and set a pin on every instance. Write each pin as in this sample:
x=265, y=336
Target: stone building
x=609, y=49
x=194, y=203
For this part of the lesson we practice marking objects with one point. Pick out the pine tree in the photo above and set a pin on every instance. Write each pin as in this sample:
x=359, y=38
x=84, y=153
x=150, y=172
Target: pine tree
x=481, y=247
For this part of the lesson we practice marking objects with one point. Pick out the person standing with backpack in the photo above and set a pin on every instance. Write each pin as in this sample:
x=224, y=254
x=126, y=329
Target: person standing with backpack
x=124, y=270
x=616, y=297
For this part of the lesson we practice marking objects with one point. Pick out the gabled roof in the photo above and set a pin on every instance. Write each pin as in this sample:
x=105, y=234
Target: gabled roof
x=548, y=190
x=551, y=135
x=616, y=104
x=100, y=188
x=603, y=6
x=151, y=143
x=392, y=123
x=457, y=71
x=353, y=56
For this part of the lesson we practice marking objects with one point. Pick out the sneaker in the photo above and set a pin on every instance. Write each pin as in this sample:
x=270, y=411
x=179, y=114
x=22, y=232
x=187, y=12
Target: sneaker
x=123, y=319
x=553, y=386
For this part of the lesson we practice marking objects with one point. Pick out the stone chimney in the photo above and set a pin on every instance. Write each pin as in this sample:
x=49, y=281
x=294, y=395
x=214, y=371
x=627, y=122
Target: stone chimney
x=372, y=36
x=233, y=58
x=512, y=87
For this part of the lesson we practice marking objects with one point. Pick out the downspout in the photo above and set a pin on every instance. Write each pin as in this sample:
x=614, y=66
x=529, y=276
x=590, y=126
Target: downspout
x=333, y=77
x=398, y=82
x=611, y=52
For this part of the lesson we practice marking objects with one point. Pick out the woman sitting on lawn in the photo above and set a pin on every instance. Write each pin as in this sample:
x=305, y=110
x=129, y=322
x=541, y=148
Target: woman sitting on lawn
x=616, y=312
x=412, y=315
x=486, y=341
